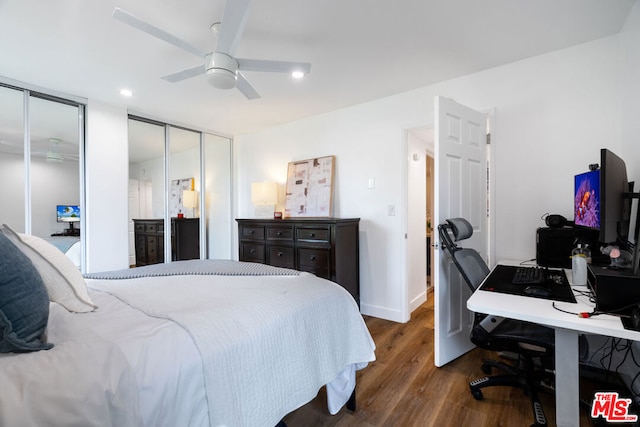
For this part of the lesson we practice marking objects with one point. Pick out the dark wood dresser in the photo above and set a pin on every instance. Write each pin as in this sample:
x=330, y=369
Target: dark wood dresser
x=149, y=240
x=327, y=247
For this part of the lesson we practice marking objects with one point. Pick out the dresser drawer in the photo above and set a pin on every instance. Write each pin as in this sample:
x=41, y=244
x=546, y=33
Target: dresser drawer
x=253, y=252
x=255, y=232
x=313, y=258
x=153, y=228
x=281, y=256
x=315, y=261
x=313, y=234
x=138, y=227
x=153, y=257
x=280, y=233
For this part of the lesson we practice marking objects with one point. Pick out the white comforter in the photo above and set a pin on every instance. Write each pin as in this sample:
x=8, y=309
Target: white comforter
x=265, y=344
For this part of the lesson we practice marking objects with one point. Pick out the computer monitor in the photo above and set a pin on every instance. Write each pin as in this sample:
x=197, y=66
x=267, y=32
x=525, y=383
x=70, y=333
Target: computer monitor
x=615, y=214
x=601, y=199
x=68, y=213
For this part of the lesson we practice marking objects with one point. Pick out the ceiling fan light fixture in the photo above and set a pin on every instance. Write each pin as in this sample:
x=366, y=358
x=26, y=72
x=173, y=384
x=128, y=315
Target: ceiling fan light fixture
x=54, y=157
x=221, y=78
x=221, y=70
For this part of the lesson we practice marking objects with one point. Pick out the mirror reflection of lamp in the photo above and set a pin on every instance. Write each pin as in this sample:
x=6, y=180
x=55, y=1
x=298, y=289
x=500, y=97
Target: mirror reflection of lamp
x=190, y=201
x=264, y=196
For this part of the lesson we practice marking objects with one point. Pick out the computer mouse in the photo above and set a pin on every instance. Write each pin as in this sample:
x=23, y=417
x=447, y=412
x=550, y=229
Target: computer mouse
x=537, y=291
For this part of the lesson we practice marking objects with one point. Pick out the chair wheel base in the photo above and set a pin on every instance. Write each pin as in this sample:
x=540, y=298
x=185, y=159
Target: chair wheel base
x=477, y=394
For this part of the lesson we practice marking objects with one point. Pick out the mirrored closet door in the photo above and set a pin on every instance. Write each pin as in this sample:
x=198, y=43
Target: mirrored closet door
x=41, y=137
x=172, y=215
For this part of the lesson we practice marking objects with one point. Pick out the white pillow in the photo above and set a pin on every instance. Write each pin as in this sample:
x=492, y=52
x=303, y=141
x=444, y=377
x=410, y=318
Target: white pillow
x=64, y=282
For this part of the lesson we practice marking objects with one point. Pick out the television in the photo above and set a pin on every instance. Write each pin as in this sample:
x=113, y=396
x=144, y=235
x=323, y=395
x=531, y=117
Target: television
x=601, y=199
x=68, y=213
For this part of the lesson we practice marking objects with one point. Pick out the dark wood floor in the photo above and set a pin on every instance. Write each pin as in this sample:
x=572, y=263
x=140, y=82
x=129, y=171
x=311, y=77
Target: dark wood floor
x=404, y=388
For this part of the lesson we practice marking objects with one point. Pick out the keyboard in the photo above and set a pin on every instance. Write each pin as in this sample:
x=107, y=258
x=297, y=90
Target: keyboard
x=529, y=276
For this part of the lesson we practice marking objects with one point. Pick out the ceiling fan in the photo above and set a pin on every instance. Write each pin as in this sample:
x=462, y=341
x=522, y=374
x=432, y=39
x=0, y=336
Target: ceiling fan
x=54, y=150
x=221, y=68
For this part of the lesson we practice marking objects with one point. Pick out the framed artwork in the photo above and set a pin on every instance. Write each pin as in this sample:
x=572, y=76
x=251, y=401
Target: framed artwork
x=310, y=188
x=175, y=195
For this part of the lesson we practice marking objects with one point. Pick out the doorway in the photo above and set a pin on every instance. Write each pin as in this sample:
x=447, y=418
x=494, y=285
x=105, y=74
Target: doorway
x=420, y=200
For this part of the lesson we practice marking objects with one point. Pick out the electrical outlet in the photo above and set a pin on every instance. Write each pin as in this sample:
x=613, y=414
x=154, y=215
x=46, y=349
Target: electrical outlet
x=391, y=210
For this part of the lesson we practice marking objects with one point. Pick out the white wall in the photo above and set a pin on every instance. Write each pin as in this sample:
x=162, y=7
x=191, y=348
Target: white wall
x=106, y=188
x=630, y=82
x=553, y=114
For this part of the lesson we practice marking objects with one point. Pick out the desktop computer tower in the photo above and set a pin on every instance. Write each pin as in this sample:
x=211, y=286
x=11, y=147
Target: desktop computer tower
x=554, y=245
x=615, y=290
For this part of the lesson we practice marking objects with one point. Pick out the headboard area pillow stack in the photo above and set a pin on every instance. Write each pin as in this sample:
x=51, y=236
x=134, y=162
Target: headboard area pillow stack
x=62, y=279
x=24, y=304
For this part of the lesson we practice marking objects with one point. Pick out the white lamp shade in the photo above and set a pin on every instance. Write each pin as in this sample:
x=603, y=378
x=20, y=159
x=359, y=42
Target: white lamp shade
x=189, y=199
x=264, y=193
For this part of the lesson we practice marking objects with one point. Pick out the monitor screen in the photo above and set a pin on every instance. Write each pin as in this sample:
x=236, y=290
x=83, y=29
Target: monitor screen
x=586, y=202
x=68, y=213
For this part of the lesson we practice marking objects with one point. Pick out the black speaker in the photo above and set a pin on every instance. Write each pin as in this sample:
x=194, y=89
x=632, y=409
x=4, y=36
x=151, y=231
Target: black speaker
x=554, y=245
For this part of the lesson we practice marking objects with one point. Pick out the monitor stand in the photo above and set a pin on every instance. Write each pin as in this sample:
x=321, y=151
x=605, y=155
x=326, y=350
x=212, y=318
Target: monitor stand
x=71, y=231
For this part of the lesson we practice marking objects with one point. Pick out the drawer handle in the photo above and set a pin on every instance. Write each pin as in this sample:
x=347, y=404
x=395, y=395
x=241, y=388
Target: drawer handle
x=312, y=234
x=312, y=257
x=279, y=233
x=252, y=251
x=251, y=231
x=280, y=254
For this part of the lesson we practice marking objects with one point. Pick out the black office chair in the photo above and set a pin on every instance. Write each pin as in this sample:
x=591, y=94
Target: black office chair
x=531, y=344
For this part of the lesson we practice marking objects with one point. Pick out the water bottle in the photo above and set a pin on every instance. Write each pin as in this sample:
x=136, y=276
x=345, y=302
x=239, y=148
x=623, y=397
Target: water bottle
x=580, y=256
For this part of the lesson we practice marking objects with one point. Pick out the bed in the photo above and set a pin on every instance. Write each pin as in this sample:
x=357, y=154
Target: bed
x=189, y=343
x=69, y=245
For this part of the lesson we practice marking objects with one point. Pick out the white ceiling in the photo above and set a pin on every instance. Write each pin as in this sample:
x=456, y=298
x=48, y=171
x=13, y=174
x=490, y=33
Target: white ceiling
x=360, y=50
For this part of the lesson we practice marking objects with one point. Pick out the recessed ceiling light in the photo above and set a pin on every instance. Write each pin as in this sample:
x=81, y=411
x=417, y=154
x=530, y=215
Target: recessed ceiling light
x=297, y=74
x=126, y=92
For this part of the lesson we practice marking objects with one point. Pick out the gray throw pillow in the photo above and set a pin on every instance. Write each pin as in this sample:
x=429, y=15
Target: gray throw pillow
x=24, y=303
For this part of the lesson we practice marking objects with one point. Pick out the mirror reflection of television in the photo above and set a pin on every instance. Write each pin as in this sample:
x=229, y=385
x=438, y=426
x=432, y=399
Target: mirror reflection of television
x=586, y=201
x=69, y=214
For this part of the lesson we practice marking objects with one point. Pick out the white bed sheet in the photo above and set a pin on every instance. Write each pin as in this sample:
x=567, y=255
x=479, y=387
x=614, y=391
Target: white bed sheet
x=268, y=343
x=45, y=388
x=118, y=366
x=112, y=367
x=166, y=362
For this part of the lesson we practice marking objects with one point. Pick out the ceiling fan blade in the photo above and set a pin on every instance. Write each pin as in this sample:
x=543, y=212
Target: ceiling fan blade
x=245, y=87
x=148, y=28
x=273, y=66
x=185, y=74
x=233, y=22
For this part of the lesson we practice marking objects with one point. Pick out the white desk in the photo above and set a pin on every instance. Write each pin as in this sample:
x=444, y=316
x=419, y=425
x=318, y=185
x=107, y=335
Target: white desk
x=567, y=328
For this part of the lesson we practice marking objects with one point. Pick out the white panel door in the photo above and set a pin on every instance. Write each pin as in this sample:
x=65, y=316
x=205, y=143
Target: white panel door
x=460, y=191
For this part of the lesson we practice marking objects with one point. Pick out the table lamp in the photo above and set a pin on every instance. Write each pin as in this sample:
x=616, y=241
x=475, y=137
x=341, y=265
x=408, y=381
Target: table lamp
x=190, y=200
x=264, y=196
